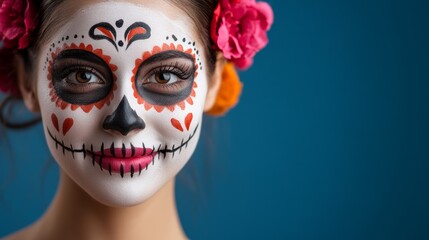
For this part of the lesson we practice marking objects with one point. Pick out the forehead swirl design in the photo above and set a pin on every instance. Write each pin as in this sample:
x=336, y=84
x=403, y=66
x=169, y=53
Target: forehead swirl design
x=137, y=31
x=105, y=31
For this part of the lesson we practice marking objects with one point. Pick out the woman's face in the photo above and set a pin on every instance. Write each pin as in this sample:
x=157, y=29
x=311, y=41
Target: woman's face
x=121, y=89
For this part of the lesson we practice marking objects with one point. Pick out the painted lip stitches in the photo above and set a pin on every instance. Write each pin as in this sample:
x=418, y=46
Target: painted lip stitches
x=124, y=160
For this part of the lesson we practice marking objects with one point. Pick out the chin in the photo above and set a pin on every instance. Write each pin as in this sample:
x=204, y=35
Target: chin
x=122, y=190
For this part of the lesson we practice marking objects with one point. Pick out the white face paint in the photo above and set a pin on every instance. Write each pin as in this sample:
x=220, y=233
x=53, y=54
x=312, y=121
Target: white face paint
x=122, y=90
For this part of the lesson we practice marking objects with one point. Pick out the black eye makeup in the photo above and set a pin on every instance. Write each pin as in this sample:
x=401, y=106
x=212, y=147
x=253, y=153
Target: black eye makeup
x=166, y=78
x=81, y=77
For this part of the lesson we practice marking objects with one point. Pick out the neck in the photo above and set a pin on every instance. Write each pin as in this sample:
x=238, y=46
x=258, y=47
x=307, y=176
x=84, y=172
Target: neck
x=77, y=215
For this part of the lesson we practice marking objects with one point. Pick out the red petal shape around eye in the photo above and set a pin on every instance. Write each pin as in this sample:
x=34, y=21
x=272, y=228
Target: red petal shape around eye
x=148, y=54
x=158, y=108
x=86, y=108
x=176, y=124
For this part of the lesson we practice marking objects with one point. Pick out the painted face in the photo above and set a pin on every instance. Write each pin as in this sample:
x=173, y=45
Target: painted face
x=122, y=89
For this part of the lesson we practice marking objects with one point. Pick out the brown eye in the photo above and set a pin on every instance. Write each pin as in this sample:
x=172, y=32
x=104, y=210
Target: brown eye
x=163, y=78
x=83, y=76
x=166, y=78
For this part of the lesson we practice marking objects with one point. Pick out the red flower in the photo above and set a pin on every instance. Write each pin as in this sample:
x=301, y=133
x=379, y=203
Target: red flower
x=17, y=21
x=239, y=29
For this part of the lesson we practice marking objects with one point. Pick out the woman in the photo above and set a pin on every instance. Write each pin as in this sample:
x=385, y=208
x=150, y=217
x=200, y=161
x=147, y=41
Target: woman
x=121, y=87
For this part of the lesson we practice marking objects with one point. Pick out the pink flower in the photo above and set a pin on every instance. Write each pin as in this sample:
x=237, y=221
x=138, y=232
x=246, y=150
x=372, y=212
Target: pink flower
x=239, y=29
x=17, y=21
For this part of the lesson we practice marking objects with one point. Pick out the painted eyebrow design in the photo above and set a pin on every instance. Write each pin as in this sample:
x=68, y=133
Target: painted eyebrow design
x=80, y=54
x=170, y=54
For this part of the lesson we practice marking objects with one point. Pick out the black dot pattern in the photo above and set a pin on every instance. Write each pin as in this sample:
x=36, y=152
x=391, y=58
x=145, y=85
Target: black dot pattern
x=57, y=43
x=187, y=43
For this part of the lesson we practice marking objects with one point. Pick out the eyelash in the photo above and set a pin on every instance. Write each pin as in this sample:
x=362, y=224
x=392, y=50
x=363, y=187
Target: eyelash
x=182, y=71
x=74, y=66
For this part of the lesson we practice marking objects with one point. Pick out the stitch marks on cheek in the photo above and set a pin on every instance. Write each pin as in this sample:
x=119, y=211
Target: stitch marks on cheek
x=125, y=159
x=183, y=98
x=86, y=107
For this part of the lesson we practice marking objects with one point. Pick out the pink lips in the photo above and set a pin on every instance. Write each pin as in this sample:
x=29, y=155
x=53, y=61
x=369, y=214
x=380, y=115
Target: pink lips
x=124, y=160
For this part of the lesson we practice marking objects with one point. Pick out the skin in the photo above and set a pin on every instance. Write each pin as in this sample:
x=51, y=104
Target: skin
x=153, y=215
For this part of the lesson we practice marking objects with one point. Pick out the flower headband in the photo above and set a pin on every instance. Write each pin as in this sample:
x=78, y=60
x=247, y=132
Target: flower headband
x=238, y=30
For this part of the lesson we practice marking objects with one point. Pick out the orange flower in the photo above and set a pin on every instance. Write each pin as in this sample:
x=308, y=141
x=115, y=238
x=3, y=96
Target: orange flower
x=229, y=91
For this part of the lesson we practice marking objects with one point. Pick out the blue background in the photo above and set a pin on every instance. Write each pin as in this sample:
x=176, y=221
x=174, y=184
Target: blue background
x=330, y=140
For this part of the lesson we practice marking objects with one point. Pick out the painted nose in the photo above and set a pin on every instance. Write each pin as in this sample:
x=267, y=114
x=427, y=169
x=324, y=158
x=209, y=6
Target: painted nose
x=124, y=119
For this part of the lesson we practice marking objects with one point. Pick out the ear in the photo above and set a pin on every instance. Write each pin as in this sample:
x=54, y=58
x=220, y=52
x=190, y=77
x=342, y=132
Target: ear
x=214, y=82
x=27, y=88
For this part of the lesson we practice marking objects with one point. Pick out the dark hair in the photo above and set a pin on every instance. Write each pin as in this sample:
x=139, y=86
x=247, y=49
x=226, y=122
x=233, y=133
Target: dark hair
x=201, y=13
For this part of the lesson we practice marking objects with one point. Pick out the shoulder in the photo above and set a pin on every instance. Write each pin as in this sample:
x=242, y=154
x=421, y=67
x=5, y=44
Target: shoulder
x=23, y=234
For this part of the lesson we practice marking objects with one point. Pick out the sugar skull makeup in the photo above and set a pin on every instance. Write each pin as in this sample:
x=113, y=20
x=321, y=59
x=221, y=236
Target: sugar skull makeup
x=122, y=90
